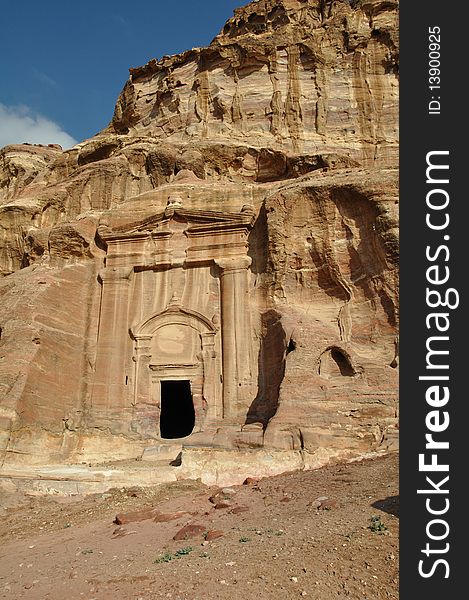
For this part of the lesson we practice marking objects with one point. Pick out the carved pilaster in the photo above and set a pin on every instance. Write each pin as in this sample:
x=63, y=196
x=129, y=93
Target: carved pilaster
x=111, y=379
x=236, y=342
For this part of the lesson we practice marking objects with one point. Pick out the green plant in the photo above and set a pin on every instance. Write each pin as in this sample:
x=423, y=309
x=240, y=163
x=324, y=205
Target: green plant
x=167, y=556
x=279, y=532
x=377, y=526
x=183, y=551
x=243, y=539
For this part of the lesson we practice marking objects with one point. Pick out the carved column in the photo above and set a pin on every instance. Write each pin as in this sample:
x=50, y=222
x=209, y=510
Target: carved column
x=111, y=378
x=236, y=341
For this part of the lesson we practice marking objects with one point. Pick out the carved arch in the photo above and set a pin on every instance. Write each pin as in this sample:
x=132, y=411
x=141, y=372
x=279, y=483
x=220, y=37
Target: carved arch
x=176, y=315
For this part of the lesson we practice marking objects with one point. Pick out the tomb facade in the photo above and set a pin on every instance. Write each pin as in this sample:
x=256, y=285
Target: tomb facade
x=175, y=307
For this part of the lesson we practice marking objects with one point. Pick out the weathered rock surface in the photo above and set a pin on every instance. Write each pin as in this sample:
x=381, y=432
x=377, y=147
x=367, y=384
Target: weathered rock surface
x=190, y=531
x=235, y=227
x=305, y=76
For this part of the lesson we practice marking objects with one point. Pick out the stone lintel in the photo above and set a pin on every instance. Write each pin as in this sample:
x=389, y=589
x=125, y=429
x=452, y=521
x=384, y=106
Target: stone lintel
x=166, y=366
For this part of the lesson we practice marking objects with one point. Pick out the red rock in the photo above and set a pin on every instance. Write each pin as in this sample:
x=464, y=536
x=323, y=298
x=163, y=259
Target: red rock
x=136, y=516
x=239, y=509
x=213, y=535
x=250, y=481
x=165, y=517
x=328, y=504
x=222, y=495
x=189, y=531
x=223, y=504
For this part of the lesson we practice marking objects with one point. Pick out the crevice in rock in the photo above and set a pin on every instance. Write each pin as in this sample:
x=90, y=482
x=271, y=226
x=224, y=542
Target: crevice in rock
x=258, y=243
x=271, y=368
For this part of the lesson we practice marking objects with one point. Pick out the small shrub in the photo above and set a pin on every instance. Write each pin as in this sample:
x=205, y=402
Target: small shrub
x=377, y=526
x=183, y=551
x=166, y=557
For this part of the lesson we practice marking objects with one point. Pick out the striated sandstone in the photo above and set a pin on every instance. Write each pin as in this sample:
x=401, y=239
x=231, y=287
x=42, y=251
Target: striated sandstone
x=231, y=239
x=306, y=76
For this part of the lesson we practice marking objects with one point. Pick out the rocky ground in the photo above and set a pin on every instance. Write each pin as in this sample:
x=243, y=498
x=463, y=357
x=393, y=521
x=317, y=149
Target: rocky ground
x=330, y=533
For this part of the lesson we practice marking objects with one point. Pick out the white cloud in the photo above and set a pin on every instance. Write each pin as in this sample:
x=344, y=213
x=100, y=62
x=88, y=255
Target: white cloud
x=19, y=125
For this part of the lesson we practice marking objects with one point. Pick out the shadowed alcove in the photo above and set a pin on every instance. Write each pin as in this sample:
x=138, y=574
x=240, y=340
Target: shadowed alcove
x=335, y=362
x=177, y=416
x=272, y=353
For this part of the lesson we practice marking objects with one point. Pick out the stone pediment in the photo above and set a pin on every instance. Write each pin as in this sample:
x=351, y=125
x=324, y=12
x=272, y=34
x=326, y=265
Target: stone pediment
x=177, y=237
x=198, y=221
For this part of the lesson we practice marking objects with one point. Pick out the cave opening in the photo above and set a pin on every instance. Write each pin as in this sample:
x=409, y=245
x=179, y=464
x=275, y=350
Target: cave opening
x=342, y=362
x=335, y=363
x=177, y=417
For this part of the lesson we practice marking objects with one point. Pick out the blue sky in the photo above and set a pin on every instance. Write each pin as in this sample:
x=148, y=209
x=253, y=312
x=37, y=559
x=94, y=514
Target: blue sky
x=63, y=64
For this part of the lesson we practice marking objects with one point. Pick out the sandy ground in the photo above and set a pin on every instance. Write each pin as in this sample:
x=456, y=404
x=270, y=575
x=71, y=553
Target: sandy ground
x=325, y=534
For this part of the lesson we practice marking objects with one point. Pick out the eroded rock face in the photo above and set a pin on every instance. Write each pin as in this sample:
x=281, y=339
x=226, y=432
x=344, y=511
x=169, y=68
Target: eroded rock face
x=305, y=76
x=230, y=238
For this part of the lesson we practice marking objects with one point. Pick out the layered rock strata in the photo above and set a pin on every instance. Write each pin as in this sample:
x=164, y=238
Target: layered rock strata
x=228, y=241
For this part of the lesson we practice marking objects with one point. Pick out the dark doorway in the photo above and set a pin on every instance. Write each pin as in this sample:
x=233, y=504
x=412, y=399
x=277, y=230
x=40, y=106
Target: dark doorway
x=177, y=417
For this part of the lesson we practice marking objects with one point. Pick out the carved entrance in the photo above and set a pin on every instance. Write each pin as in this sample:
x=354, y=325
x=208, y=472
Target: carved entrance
x=177, y=345
x=174, y=307
x=177, y=416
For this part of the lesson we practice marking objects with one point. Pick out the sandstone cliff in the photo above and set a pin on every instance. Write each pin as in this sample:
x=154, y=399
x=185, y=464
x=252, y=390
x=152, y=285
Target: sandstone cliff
x=290, y=112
